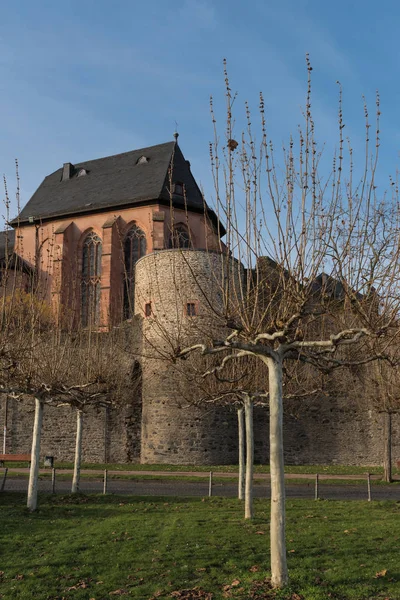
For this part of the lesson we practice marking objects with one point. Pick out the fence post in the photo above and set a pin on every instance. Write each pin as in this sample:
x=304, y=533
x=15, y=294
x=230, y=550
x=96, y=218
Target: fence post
x=369, y=486
x=105, y=482
x=317, y=487
x=210, y=485
x=3, y=483
x=53, y=481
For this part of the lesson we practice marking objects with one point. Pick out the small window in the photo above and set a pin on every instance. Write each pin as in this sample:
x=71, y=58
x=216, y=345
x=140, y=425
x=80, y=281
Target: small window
x=178, y=188
x=147, y=309
x=82, y=172
x=142, y=160
x=191, y=309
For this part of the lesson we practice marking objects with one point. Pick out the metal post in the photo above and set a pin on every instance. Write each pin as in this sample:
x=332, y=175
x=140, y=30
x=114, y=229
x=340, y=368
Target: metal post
x=3, y=483
x=105, y=482
x=369, y=486
x=317, y=487
x=53, y=480
x=5, y=426
x=210, y=485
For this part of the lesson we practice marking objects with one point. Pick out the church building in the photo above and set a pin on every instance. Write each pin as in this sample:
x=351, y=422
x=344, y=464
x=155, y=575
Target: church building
x=88, y=224
x=108, y=239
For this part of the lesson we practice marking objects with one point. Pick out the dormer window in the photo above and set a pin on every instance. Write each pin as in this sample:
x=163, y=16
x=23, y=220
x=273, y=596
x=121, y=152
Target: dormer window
x=142, y=160
x=82, y=173
x=178, y=188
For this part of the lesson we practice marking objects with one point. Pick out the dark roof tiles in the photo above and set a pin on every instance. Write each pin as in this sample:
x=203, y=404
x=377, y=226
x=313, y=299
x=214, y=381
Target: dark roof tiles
x=113, y=181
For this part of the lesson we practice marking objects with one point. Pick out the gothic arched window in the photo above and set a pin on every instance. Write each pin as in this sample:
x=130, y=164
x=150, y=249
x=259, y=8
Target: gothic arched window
x=91, y=274
x=134, y=248
x=180, y=237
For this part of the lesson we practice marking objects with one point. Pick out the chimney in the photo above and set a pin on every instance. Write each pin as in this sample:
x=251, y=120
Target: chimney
x=67, y=171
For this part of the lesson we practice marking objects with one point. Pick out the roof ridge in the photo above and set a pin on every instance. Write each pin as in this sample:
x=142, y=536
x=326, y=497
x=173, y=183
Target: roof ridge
x=113, y=156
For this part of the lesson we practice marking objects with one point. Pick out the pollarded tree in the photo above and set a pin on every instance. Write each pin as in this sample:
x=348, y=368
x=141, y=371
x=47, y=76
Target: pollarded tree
x=242, y=384
x=53, y=363
x=317, y=265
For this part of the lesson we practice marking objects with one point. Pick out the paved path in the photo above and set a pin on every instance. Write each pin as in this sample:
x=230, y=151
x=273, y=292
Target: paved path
x=200, y=489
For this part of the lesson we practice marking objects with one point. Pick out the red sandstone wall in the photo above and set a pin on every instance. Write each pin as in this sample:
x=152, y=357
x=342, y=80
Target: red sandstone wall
x=56, y=248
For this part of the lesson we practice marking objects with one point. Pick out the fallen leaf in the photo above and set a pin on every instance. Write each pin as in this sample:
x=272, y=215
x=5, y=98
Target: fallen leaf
x=380, y=573
x=254, y=569
x=82, y=584
x=193, y=594
x=235, y=583
x=260, y=532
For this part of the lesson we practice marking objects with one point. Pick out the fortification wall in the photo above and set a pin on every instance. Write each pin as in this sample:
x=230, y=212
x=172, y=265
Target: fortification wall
x=328, y=431
x=109, y=435
x=168, y=428
x=323, y=432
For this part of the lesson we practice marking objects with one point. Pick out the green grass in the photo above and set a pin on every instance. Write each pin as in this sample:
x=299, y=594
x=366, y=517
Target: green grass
x=312, y=469
x=300, y=469
x=121, y=476
x=90, y=547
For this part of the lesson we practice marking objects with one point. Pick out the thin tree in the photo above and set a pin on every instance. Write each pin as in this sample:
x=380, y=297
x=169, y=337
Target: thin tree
x=316, y=265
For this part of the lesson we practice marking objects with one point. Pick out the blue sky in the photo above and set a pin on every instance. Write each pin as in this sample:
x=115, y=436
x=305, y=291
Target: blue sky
x=81, y=80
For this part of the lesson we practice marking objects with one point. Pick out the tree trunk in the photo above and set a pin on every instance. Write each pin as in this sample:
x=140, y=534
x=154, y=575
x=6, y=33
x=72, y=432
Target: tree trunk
x=387, y=448
x=242, y=470
x=279, y=573
x=78, y=453
x=35, y=456
x=248, y=502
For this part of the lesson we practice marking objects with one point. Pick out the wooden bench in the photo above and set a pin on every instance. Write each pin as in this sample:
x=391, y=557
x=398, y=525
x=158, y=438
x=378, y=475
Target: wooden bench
x=14, y=458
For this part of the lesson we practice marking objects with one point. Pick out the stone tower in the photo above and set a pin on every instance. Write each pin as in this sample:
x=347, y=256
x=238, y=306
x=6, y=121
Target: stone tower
x=174, y=291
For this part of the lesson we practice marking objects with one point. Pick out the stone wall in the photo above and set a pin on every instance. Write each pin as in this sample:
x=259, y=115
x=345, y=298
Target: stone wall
x=328, y=431
x=324, y=432
x=109, y=435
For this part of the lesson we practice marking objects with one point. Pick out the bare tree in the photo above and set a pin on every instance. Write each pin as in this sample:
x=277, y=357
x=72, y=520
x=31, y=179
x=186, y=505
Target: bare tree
x=309, y=266
x=51, y=362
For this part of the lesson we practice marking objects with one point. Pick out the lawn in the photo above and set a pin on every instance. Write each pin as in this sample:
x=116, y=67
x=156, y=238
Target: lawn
x=101, y=547
x=321, y=469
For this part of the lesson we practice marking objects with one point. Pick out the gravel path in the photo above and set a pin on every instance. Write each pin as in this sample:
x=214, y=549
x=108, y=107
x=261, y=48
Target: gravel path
x=200, y=489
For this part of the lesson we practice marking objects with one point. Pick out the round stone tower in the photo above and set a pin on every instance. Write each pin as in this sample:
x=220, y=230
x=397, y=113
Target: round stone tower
x=175, y=293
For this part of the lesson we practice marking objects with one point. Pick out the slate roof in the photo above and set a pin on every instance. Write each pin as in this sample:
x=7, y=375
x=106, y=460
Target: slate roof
x=6, y=237
x=115, y=182
x=12, y=260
